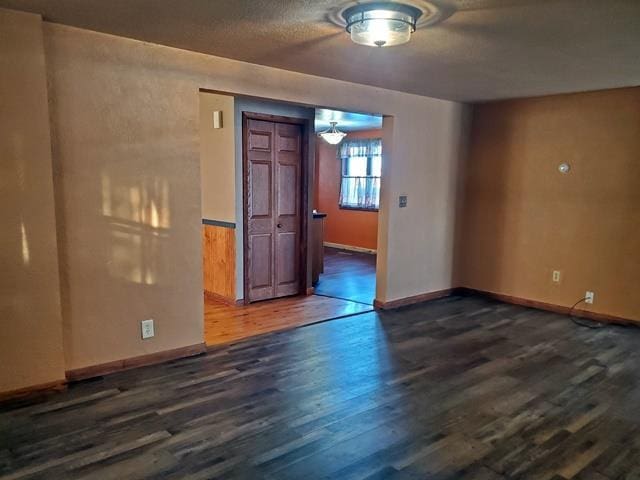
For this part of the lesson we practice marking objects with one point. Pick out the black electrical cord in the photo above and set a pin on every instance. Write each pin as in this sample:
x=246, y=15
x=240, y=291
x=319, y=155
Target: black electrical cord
x=584, y=323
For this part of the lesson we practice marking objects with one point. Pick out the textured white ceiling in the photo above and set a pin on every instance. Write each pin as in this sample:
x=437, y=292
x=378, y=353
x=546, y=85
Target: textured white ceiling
x=487, y=49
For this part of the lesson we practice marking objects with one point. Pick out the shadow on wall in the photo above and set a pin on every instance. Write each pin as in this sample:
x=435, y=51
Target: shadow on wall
x=489, y=211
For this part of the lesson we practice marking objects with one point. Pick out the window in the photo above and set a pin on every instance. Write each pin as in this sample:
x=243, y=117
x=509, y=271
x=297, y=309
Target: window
x=361, y=171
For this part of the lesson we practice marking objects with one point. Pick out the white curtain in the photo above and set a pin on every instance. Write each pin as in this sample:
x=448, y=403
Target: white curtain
x=360, y=192
x=361, y=162
x=360, y=147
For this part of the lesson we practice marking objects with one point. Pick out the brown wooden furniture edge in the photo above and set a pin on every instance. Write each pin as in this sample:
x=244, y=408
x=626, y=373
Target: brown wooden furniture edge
x=550, y=307
x=134, y=362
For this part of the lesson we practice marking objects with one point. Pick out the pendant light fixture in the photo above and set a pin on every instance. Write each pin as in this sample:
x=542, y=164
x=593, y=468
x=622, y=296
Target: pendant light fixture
x=381, y=24
x=332, y=135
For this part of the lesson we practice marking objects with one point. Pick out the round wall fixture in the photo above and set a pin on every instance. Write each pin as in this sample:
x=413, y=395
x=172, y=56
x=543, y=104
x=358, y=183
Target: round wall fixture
x=385, y=24
x=564, y=168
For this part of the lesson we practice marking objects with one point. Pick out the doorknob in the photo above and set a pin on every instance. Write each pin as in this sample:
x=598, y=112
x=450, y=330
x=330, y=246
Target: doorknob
x=279, y=225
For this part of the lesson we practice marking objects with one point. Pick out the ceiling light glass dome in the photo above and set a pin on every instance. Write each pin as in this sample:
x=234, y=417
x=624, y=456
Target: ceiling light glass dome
x=381, y=24
x=332, y=135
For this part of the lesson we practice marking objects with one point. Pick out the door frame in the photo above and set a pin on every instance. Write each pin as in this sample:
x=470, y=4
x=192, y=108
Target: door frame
x=303, y=193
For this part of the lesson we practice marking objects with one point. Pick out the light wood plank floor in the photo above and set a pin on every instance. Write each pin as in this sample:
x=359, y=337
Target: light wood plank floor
x=228, y=323
x=349, y=278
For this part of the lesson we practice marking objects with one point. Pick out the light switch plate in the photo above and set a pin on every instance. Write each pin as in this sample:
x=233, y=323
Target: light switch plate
x=217, y=119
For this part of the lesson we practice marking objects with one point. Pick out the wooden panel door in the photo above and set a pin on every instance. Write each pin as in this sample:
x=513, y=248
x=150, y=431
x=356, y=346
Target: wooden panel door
x=288, y=194
x=259, y=186
x=273, y=167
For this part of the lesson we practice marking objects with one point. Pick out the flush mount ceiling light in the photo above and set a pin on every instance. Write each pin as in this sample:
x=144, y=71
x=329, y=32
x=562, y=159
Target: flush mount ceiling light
x=332, y=135
x=381, y=24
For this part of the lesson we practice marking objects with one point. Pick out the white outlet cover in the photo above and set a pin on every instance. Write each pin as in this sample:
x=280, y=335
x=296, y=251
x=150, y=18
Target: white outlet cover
x=147, y=328
x=588, y=297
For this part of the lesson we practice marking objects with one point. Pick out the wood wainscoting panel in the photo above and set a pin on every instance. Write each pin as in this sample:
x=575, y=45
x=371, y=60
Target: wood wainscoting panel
x=219, y=261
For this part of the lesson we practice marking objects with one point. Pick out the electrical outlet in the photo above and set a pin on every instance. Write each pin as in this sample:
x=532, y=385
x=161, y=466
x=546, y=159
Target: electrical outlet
x=147, y=328
x=556, y=276
x=588, y=297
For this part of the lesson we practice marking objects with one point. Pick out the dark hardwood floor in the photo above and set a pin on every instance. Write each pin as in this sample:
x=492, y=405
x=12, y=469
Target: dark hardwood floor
x=462, y=388
x=348, y=275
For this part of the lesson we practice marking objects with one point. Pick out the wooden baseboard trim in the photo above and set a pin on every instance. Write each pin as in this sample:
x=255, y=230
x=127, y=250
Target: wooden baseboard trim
x=215, y=297
x=310, y=291
x=134, y=362
x=403, y=302
x=55, y=386
x=351, y=248
x=549, y=307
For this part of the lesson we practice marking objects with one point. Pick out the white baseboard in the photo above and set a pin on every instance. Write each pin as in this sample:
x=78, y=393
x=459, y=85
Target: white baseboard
x=351, y=248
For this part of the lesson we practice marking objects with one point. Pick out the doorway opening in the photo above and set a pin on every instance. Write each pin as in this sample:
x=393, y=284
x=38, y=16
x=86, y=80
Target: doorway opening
x=258, y=163
x=346, y=201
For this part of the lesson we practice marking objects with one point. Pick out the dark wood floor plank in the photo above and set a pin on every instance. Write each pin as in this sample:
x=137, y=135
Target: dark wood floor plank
x=349, y=275
x=462, y=387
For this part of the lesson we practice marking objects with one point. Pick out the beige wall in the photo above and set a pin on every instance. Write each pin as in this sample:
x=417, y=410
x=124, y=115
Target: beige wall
x=426, y=147
x=217, y=154
x=382, y=286
x=125, y=123
x=30, y=317
x=522, y=219
x=125, y=127
x=126, y=118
